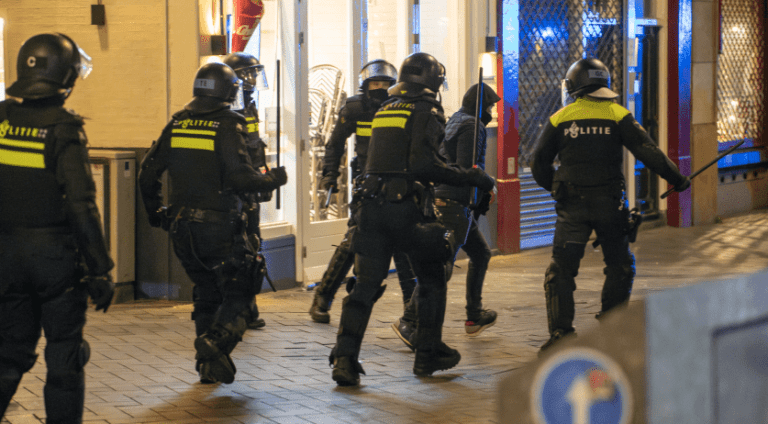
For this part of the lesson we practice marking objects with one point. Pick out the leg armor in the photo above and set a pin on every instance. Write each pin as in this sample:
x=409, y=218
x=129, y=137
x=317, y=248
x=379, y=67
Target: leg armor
x=9, y=382
x=341, y=262
x=619, y=274
x=559, y=286
x=432, y=297
x=66, y=354
x=405, y=275
x=357, y=307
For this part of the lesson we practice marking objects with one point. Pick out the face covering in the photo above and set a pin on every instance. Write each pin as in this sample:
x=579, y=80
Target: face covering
x=486, y=117
x=378, y=95
x=247, y=97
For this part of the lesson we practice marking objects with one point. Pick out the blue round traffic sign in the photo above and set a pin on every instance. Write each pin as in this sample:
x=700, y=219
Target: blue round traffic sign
x=580, y=386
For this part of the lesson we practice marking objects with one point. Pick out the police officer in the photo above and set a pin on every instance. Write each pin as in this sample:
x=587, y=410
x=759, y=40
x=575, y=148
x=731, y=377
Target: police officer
x=397, y=215
x=355, y=118
x=252, y=75
x=453, y=208
x=587, y=135
x=48, y=218
x=204, y=152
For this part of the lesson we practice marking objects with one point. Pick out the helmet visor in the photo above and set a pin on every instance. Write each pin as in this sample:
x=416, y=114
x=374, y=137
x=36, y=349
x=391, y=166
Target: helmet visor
x=565, y=97
x=379, y=70
x=254, y=78
x=84, y=65
x=239, y=102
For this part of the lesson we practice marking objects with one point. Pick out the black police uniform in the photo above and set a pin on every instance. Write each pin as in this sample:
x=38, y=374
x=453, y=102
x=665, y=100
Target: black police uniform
x=205, y=155
x=48, y=218
x=397, y=216
x=356, y=117
x=257, y=153
x=588, y=136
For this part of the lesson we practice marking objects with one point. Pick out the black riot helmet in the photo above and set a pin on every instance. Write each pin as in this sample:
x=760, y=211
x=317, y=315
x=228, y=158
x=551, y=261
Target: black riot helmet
x=587, y=77
x=248, y=69
x=377, y=70
x=216, y=86
x=423, y=68
x=48, y=65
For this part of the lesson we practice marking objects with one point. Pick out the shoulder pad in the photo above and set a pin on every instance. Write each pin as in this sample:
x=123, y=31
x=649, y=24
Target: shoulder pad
x=619, y=111
x=70, y=132
x=58, y=115
x=181, y=115
x=355, y=99
x=229, y=114
x=355, y=106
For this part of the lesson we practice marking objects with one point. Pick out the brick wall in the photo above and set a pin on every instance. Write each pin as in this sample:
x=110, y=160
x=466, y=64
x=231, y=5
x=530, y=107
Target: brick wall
x=125, y=97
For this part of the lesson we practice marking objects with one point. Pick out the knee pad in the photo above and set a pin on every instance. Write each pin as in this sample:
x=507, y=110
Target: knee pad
x=620, y=272
x=555, y=278
x=568, y=257
x=84, y=353
x=203, y=308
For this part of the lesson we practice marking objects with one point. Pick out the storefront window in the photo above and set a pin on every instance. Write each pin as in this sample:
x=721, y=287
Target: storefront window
x=329, y=86
x=259, y=36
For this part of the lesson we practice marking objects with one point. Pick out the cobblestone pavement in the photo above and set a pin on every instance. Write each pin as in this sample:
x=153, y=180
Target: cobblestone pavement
x=142, y=366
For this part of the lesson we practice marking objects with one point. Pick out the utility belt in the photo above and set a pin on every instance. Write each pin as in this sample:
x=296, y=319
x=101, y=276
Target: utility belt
x=208, y=215
x=20, y=229
x=444, y=203
x=398, y=189
x=562, y=189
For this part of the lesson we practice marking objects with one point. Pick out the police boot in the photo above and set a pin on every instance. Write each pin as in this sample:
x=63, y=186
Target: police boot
x=213, y=350
x=554, y=338
x=346, y=371
x=319, y=309
x=220, y=370
x=254, y=322
x=339, y=266
x=441, y=357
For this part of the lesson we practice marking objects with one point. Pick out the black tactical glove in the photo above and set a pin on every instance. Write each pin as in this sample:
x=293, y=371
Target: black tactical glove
x=480, y=179
x=329, y=183
x=684, y=185
x=278, y=175
x=160, y=218
x=484, y=204
x=101, y=290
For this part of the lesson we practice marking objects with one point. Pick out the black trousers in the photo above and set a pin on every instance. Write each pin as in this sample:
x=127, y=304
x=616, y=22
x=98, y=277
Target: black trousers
x=385, y=228
x=39, y=290
x=344, y=258
x=217, y=259
x=466, y=235
x=580, y=212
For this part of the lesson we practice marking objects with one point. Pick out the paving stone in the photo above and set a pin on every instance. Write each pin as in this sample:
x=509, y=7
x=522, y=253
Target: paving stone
x=142, y=366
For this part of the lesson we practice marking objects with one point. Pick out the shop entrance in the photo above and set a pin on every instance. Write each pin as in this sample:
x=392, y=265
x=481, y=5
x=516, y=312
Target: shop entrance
x=552, y=35
x=342, y=36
